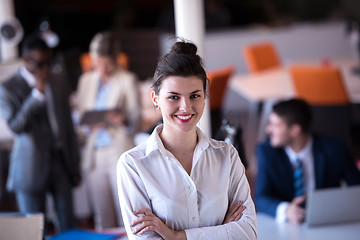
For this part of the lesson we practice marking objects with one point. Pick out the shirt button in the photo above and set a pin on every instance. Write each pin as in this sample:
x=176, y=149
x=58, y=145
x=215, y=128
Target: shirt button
x=194, y=219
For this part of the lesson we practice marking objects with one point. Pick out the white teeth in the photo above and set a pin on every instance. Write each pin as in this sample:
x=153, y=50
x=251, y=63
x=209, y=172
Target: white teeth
x=184, y=117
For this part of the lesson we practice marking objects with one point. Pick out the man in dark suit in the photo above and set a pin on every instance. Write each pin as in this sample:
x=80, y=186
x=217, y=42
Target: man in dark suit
x=44, y=157
x=293, y=161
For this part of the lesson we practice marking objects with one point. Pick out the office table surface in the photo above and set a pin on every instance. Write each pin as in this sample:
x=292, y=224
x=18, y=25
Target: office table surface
x=269, y=229
x=276, y=83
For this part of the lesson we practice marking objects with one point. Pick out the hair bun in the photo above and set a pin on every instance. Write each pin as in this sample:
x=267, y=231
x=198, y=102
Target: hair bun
x=184, y=48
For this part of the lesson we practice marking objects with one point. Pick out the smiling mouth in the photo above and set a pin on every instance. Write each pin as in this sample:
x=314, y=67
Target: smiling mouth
x=184, y=118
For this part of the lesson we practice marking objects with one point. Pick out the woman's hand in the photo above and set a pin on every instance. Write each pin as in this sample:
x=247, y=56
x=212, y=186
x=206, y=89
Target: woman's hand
x=235, y=213
x=96, y=126
x=150, y=222
x=116, y=118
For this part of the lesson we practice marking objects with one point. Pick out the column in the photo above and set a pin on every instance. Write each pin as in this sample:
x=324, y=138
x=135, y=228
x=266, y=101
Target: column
x=8, y=52
x=190, y=25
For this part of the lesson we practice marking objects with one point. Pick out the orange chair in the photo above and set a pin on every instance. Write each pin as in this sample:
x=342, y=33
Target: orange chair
x=86, y=63
x=319, y=85
x=218, y=82
x=323, y=88
x=218, y=79
x=261, y=56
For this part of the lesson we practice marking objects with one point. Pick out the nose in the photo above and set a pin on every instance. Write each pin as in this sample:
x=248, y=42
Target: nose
x=185, y=105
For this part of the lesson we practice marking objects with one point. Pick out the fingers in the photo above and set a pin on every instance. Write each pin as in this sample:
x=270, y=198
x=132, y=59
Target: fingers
x=239, y=210
x=298, y=200
x=238, y=217
x=114, y=118
x=147, y=222
x=96, y=126
x=235, y=208
x=143, y=227
x=300, y=214
x=235, y=213
x=147, y=216
x=140, y=219
x=144, y=211
x=295, y=213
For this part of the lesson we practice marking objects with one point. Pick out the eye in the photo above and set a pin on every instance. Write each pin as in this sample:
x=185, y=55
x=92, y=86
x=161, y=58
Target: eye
x=173, y=97
x=195, y=96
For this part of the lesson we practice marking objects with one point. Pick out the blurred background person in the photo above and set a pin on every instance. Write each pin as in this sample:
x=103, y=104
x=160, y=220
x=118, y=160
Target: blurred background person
x=294, y=160
x=107, y=87
x=44, y=157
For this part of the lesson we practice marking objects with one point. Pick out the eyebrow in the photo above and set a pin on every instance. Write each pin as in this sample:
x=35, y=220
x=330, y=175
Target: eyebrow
x=175, y=93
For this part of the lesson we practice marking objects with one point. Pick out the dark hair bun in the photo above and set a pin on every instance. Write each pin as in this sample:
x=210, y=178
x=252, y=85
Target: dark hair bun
x=184, y=48
x=183, y=61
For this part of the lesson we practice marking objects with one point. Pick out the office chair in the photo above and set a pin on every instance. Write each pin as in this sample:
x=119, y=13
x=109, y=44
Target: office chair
x=223, y=128
x=322, y=87
x=86, y=63
x=261, y=56
x=218, y=79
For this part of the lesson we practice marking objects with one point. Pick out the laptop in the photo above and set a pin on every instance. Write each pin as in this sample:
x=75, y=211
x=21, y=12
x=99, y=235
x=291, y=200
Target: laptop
x=333, y=205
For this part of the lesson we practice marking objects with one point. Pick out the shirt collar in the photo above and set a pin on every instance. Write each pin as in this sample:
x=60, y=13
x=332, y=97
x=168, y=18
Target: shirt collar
x=154, y=142
x=29, y=77
x=304, y=152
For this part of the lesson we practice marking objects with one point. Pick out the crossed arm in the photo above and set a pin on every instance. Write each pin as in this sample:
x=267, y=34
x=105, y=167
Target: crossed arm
x=148, y=221
x=141, y=223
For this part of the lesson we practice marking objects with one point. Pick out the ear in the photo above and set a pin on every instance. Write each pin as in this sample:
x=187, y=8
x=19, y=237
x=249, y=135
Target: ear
x=295, y=130
x=155, y=98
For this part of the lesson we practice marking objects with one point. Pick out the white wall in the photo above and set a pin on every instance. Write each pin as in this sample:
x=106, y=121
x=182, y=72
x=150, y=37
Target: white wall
x=301, y=41
x=293, y=43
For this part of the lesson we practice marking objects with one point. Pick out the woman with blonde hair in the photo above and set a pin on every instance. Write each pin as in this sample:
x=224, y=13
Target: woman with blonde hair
x=107, y=87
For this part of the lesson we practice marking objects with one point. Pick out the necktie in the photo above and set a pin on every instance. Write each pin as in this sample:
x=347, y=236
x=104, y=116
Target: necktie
x=298, y=178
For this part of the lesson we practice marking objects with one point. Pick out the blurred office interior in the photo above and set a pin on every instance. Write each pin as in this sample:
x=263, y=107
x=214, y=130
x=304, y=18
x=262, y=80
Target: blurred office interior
x=300, y=30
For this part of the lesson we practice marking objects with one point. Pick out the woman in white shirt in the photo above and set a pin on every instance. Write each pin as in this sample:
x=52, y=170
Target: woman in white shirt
x=181, y=184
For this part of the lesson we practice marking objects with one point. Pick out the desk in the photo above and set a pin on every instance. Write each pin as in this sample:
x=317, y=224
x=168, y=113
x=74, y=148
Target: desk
x=269, y=229
x=273, y=85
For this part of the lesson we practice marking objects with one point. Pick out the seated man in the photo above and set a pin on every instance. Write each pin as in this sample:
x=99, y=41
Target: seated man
x=294, y=161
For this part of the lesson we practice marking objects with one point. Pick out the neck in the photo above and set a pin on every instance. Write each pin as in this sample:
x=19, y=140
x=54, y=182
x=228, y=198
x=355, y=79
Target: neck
x=299, y=143
x=179, y=142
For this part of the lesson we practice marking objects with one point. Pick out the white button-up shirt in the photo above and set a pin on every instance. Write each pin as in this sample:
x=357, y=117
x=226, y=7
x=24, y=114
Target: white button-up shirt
x=151, y=177
x=31, y=81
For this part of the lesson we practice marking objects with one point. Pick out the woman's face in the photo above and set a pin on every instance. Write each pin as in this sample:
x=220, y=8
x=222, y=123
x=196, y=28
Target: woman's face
x=104, y=65
x=181, y=101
